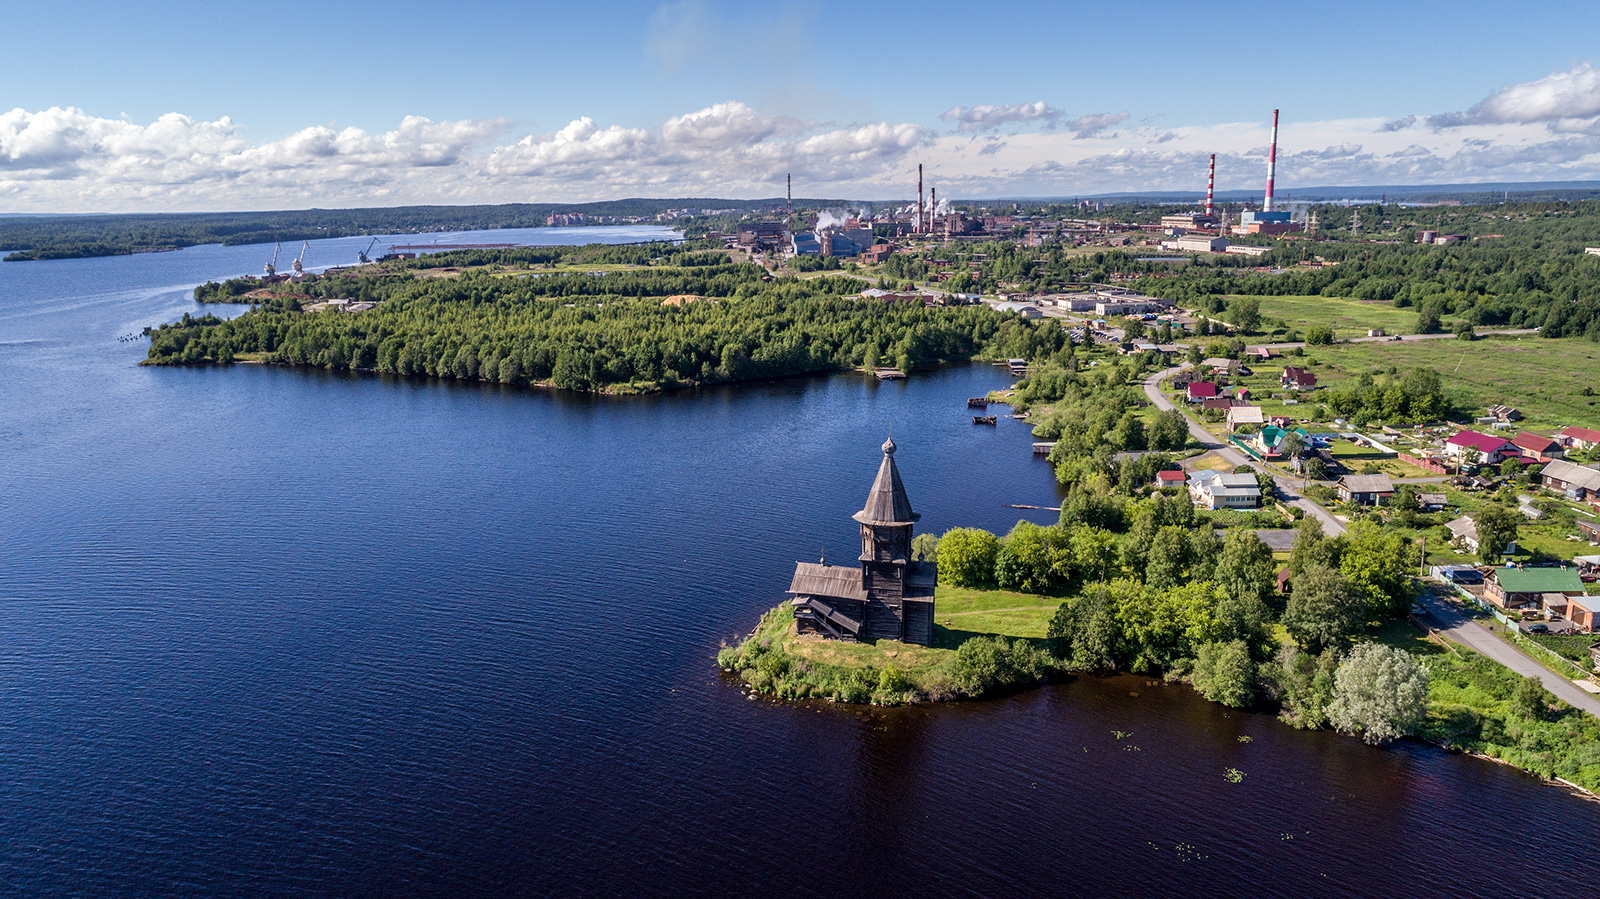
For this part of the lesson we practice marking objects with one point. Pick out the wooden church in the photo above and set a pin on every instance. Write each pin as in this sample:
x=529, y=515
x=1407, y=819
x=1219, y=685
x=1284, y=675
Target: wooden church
x=889, y=597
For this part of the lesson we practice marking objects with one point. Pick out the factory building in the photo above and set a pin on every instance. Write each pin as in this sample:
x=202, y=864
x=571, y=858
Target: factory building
x=760, y=235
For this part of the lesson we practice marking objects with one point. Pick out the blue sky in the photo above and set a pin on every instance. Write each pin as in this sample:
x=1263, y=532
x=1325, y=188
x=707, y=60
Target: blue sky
x=170, y=106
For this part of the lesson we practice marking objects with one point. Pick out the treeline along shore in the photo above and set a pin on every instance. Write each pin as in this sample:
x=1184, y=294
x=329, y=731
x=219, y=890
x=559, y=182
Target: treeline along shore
x=1133, y=578
x=681, y=316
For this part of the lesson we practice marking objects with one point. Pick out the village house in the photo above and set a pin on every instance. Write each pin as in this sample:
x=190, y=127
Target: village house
x=1432, y=502
x=1585, y=613
x=1170, y=478
x=1296, y=378
x=1472, y=448
x=1201, y=390
x=1217, y=404
x=1366, y=489
x=1581, y=438
x=1590, y=531
x=888, y=596
x=1537, y=448
x=1239, y=416
x=1464, y=533
x=1574, y=481
x=1225, y=490
x=1504, y=413
x=1515, y=588
x=1269, y=440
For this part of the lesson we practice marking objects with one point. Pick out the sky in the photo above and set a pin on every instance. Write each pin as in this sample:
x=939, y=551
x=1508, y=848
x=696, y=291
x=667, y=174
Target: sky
x=164, y=106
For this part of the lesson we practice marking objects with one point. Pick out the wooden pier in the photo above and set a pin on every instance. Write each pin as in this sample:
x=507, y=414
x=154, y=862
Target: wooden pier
x=990, y=420
x=978, y=402
x=889, y=374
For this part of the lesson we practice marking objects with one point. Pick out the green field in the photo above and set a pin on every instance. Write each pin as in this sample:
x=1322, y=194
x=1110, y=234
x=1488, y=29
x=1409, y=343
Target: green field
x=1544, y=379
x=1347, y=317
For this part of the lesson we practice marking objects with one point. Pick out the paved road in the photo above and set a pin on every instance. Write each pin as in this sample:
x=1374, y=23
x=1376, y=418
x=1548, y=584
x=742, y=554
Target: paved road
x=1444, y=617
x=1288, y=488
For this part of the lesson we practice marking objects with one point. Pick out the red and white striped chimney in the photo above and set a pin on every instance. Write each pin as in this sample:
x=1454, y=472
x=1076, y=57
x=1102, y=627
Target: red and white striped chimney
x=1272, y=163
x=1211, y=183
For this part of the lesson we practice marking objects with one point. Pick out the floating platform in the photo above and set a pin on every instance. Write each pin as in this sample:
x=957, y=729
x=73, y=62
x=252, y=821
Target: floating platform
x=978, y=402
x=984, y=419
x=890, y=374
x=1043, y=448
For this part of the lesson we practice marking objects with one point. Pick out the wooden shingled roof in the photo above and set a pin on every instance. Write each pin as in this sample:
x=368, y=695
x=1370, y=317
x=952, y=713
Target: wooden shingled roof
x=887, y=503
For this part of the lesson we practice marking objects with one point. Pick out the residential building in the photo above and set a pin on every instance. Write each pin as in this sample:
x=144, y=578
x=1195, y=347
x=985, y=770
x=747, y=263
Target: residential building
x=1574, y=481
x=1225, y=490
x=1585, y=613
x=1170, y=478
x=1504, y=413
x=1537, y=448
x=1590, y=530
x=1432, y=502
x=1464, y=533
x=1202, y=390
x=1472, y=448
x=1582, y=438
x=1297, y=378
x=1268, y=440
x=1239, y=416
x=1514, y=588
x=1366, y=489
x=1218, y=403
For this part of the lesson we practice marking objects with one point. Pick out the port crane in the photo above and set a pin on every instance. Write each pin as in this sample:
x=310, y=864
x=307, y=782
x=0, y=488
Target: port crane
x=272, y=267
x=298, y=269
x=363, y=255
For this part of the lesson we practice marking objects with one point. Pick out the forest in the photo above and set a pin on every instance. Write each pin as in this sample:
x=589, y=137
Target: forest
x=66, y=237
x=603, y=332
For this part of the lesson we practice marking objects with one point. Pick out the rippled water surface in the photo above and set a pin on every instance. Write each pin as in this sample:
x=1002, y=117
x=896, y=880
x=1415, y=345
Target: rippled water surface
x=277, y=632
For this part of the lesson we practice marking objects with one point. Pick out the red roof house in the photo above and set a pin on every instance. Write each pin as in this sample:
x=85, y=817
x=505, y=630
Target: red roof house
x=1297, y=378
x=1542, y=449
x=1582, y=438
x=1470, y=446
x=1201, y=390
x=1170, y=478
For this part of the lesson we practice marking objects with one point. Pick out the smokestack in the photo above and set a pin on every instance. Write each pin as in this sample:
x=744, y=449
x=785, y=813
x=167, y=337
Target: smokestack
x=789, y=181
x=933, y=207
x=1272, y=163
x=1211, y=184
x=918, y=228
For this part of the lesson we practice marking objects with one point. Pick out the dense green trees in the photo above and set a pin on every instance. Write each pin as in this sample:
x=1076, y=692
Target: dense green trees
x=611, y=330
x=1497, y=529
x=1380, y=693
x=967, y=557
x=1323, y=609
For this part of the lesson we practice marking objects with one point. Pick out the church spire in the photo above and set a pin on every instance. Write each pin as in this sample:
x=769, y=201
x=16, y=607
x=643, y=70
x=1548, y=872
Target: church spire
x=886, y=502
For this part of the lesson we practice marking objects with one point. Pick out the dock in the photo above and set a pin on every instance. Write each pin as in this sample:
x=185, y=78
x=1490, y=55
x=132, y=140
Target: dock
x=889, y=374
x=1043, y=448
x=978, y=402
x=985, y=420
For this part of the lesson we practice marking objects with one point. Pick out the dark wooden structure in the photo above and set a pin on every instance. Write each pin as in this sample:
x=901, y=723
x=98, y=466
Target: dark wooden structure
x=978, y=402
x=984, y=419
x=889, y=597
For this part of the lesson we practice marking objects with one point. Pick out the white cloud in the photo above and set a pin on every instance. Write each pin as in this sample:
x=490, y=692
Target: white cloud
x=987, y=118
x=66, y=160
x=1564, y=102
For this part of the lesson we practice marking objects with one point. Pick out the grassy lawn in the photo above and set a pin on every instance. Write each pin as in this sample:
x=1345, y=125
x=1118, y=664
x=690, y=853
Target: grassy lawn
x=1542, y=378
x=1347, y=317
x=778, y=660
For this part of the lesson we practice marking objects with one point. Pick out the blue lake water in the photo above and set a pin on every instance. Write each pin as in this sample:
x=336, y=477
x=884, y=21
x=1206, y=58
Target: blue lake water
x=276, y=632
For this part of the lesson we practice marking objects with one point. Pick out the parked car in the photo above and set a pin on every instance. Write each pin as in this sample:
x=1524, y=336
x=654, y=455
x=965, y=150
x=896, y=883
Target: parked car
x=1538, y=629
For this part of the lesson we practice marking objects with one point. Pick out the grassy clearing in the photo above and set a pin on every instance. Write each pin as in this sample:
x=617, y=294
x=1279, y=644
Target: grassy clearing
x=1002, y=625
x=1347, y=317
x=1542, y=378
x=1472, y=708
